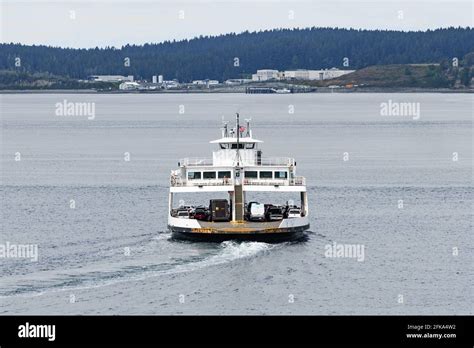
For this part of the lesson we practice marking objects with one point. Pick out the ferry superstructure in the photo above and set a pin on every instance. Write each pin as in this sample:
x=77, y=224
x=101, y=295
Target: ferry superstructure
x=237, y=169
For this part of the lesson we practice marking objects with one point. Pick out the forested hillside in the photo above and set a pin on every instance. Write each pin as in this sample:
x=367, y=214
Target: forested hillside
x=238, y=55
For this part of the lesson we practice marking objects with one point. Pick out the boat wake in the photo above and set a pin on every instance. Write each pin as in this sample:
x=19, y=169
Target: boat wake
x=230, y=251
x=99, y=275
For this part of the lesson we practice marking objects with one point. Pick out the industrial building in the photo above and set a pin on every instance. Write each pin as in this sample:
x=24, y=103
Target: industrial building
x=237, y=81
x=266, y=75
x=128, y=86
x=111, y=78
x=205, y=82
x=299, y=74
x=326, y=74
x=157, y=83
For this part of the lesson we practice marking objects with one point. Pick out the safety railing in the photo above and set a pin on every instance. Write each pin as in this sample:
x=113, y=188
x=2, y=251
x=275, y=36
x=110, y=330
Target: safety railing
x=276, y=161
x=190, y=162
x=298, y=181
x=269, y=161
x=178, y=182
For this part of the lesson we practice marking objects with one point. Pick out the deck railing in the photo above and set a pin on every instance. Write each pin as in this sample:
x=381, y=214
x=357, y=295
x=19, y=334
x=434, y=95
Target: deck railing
x=276, y=161
x=296, y=181
x=190, y=162
x=266, y=161
x=177, y=182
x=265, y=182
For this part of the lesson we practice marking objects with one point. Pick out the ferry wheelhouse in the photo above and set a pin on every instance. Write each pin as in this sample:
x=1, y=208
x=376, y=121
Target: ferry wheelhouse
x=237, y=170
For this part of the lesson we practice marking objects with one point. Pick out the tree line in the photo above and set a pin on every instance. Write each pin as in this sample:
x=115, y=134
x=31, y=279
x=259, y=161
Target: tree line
x=239, y=55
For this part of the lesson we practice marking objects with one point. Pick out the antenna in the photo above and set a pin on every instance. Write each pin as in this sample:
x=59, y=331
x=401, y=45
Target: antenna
x=238, y=140
x=248, y=127
x=225, y=130
x=224, y=127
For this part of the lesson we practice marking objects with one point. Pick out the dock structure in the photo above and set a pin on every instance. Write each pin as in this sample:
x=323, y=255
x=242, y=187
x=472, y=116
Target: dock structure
x=272, y=90
x=259, y=90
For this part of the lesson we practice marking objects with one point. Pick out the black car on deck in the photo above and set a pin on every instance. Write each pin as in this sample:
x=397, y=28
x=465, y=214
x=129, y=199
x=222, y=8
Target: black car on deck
x=274, y=213
x=201, y=213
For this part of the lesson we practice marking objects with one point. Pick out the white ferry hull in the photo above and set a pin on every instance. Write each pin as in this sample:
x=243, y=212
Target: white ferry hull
x=191, y=229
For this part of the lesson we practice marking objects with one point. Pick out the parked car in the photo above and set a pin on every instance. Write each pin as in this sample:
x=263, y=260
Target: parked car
x=201, y=213
x=183, y=214
x=186, y=207
x=293, y=213
x=291, y=210
x=255, y=211
x=274, y=213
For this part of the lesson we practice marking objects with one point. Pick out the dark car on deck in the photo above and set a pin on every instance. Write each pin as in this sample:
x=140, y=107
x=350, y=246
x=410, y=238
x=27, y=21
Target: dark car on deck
x=201, y=213
x=274, y=213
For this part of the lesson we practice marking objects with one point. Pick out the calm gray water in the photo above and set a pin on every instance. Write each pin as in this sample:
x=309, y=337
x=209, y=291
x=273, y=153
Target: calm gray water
x=112, y=253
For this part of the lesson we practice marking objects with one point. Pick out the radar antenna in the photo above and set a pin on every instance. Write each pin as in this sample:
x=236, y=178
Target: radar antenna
x=249, y=133
x=225, y=130
x=238, y=140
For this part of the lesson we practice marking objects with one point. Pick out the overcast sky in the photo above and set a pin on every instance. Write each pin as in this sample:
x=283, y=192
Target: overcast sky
x=102, y=23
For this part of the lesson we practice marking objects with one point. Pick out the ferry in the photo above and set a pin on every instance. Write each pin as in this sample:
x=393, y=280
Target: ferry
x=236, y=171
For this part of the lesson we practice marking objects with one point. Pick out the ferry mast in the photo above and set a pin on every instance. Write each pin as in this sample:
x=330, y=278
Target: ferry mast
x=238, y=199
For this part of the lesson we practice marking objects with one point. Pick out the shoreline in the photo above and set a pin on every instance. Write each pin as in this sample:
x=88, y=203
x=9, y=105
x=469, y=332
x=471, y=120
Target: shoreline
x=242, y=91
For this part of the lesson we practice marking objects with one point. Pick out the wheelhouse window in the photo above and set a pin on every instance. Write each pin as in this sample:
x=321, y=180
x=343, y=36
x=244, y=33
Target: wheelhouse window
x=224, y=146
x=209, y=175
x=194, y=175
x=266, y=175
x=249, y=146
x=281, y=175
x=250, y=174
x=234, y=146
x=224, y=174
